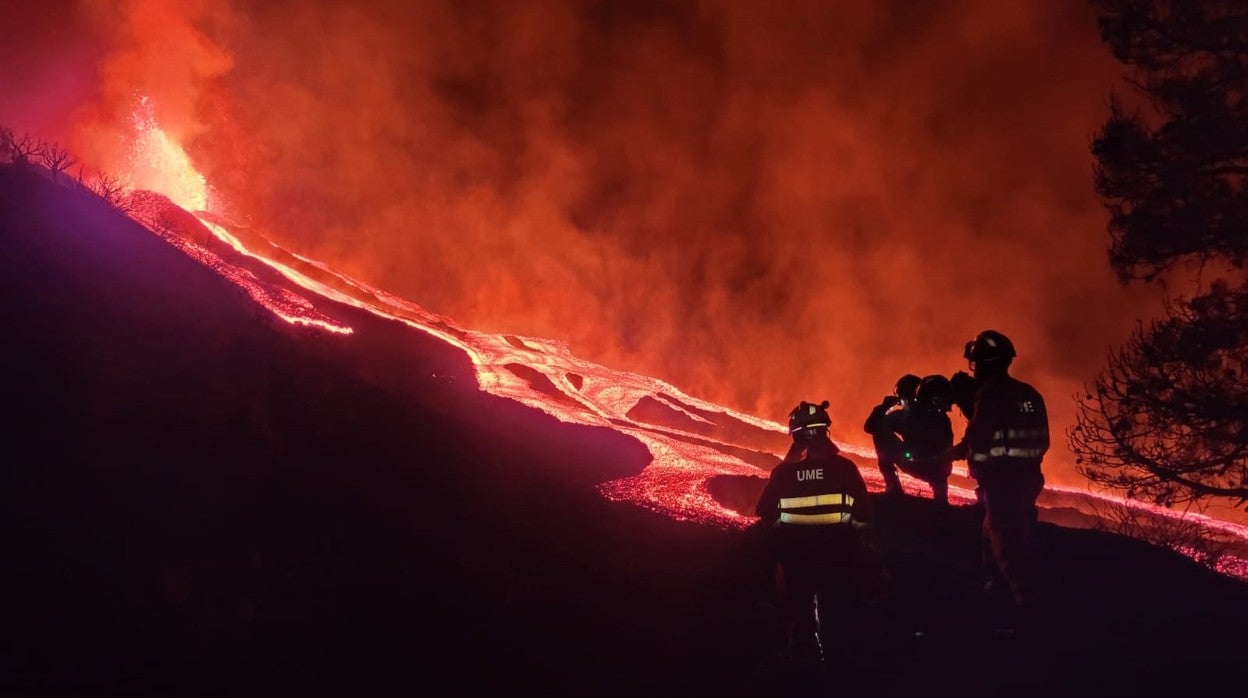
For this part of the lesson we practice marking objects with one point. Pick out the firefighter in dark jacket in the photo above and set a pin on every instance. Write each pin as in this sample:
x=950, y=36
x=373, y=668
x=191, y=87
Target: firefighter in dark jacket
x=916, y=438
x=884, y=423
x=815, y=503
x=1007, y=435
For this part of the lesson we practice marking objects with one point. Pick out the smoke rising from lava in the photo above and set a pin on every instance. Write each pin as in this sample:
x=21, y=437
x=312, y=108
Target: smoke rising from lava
x=758, y=203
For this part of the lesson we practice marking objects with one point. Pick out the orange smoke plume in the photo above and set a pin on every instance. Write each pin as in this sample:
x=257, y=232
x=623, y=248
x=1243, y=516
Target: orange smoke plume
x=759, y=207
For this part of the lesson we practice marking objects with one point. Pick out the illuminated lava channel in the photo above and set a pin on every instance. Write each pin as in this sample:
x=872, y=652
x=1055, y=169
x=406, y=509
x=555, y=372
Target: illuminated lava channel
x=674, y=483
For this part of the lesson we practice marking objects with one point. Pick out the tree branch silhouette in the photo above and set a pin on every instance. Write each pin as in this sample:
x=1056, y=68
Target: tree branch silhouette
x=1167, y=419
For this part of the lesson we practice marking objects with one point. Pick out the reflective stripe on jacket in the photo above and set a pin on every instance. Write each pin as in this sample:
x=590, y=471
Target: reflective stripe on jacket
x=818, y=509
x=1010, y=424
x=822, y=491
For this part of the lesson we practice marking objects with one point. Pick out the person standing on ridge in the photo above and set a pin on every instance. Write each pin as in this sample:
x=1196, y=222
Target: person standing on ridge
x=814, y=504
x=1007, y=436
x=884, y=423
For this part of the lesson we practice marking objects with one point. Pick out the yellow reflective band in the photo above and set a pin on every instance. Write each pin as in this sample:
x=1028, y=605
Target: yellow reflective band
x=817, y=500
x=809, y=426
x=837, y=517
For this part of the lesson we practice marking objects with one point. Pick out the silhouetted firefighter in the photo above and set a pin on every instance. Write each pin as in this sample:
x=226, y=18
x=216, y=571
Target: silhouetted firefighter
x=883, y=425
x=815, y=502
x=963, y=386
x=1007, y=435
x=912, y=433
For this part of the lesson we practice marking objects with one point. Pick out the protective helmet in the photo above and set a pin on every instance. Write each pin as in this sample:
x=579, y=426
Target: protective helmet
x=962, y=389
x=990, y=348
x=906, y=386
x=934, y=391
x=809, y=420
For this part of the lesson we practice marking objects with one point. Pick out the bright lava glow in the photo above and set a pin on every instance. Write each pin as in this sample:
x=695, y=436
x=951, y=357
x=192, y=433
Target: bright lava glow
x=691, y=441
x=159, y=164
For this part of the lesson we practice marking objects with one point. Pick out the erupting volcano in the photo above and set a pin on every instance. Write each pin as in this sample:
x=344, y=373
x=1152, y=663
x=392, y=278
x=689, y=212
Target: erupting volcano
x=692, y=442
x=398, y=344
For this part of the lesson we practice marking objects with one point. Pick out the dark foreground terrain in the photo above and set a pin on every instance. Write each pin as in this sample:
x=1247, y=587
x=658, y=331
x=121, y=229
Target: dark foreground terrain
x=198, y=500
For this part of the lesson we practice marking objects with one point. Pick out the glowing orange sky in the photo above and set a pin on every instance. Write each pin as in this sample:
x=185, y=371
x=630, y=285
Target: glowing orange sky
x=758, y=206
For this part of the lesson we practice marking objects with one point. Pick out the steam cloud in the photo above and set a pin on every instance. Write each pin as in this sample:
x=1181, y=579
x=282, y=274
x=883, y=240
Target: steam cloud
x=759, y=202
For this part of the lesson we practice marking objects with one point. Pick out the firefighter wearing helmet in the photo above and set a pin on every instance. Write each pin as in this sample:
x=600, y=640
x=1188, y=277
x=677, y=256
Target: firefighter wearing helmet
x=913, y=434
x=883, y=423
x=1007, y=435
x=814, y=504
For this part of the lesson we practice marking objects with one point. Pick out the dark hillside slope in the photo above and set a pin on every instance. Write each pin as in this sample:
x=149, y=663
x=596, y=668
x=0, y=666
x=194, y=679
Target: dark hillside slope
x=200, y=500
x=198, y=486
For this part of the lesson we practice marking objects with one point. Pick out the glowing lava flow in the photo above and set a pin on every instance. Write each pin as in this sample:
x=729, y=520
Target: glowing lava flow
x=691, y=441
x=543, y=374
x=153, y=212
